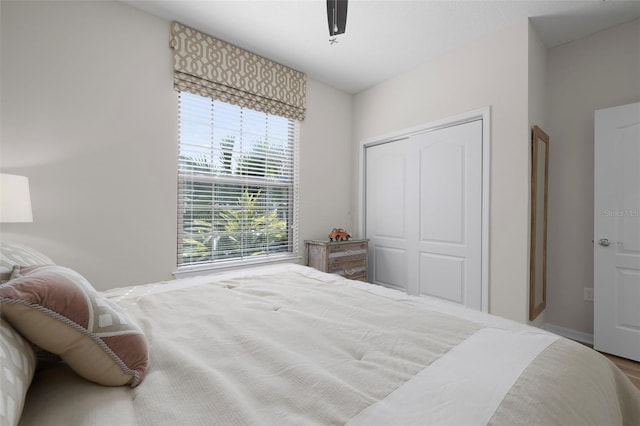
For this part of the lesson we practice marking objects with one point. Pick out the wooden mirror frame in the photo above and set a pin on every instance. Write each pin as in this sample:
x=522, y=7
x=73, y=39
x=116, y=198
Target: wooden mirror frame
x=539, y=187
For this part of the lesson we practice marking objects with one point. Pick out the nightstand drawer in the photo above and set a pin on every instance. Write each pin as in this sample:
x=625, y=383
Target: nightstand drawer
x=347, y=262
x=338, y=248
x=348, y=256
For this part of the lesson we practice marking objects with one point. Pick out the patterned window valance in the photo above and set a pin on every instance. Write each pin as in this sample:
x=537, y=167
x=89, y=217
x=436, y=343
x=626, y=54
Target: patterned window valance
x=206, y=66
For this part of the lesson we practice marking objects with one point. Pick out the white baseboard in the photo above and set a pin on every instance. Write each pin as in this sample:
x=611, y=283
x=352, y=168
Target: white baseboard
x=578, y=336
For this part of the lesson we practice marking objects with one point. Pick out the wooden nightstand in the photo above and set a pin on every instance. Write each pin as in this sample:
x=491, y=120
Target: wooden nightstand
x=346, y=258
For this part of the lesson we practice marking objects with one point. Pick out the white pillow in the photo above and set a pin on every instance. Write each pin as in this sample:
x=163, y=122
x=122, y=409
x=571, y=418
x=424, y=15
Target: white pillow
x=17, y=365
x=12, y=254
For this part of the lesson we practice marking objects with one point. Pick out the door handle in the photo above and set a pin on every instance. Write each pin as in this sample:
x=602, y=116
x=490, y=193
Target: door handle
x=604, y=242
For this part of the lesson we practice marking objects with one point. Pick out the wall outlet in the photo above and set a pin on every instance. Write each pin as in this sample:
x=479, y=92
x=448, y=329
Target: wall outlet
x=588, y=294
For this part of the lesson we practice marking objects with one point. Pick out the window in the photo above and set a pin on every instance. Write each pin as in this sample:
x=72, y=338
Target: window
x=237, y=183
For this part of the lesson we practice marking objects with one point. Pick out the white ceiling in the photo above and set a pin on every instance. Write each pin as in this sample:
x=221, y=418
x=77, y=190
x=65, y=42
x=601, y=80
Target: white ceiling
x=382, y=38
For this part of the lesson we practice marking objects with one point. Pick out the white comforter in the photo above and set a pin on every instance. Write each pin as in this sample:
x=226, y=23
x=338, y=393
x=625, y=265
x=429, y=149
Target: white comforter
x=291, y=345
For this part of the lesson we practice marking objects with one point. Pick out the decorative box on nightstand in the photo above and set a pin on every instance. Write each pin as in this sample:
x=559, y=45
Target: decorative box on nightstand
x=346, y=258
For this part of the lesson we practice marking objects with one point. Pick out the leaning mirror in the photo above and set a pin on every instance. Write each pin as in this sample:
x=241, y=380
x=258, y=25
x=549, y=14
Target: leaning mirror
x=538, y=262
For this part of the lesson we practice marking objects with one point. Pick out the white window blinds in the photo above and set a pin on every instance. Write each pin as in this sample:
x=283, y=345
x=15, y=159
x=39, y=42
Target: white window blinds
x=237, y=182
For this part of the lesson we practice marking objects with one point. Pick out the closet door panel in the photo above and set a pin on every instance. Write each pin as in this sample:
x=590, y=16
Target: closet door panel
x=442, y=167
x=450, y=213
x=386, y=229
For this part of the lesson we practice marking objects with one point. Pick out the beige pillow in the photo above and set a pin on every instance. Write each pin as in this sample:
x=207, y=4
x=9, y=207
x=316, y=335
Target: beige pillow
x=58, y=310
x=17, y=364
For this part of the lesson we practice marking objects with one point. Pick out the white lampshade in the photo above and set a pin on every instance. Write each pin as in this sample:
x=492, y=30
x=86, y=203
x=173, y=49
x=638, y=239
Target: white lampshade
x=15, y=199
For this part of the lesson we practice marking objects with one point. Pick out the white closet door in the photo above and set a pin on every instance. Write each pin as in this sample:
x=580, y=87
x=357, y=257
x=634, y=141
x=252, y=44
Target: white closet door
x=424, y=213
x=387, y=208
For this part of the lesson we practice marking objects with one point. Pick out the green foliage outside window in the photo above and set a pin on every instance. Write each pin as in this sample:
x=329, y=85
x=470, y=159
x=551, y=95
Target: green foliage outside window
x=227, y=219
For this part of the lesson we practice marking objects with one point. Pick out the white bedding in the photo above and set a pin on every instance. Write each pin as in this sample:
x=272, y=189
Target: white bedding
x=454, y=389
x=290, y=345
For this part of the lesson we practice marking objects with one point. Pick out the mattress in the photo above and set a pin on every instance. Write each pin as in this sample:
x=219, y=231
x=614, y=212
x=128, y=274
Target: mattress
x=289, y=345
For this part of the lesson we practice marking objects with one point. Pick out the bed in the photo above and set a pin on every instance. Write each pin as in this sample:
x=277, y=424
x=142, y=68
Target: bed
x=289, y=345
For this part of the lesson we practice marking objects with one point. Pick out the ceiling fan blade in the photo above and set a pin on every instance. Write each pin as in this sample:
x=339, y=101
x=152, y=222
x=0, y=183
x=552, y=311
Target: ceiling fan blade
x=337, y=16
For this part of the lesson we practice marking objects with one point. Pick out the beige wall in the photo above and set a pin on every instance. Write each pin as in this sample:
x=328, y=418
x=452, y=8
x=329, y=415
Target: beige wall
x=325, y=162
x=537, y=107
x=89, y=114
x=489, y=72
x=595, y=72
